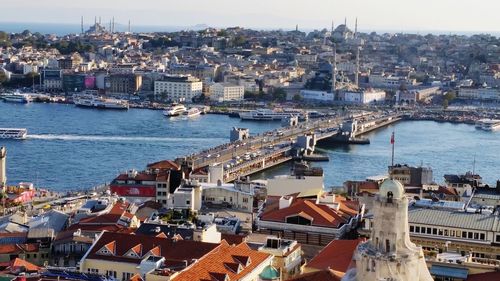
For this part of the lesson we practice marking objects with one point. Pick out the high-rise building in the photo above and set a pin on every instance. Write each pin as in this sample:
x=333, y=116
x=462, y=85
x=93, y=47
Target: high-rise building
x=389, y=254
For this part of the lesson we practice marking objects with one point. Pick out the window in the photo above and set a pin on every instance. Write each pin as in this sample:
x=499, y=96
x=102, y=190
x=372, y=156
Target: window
x=482, y=236
x=476, y=235
x=428, y=230
x=434, y=231
x=469, y=235
x=188, y=202
x=412, y=228
x=498, y=238
x=417, y=229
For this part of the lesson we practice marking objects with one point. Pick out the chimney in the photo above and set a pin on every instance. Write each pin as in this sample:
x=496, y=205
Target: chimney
x=285, y=202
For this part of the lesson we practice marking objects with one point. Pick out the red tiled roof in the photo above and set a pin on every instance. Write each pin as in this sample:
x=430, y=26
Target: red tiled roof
x=337, y=255
x=164, y=165
x=102, y=219
x=172, y=250
x=100, y=227
x=323, y=275
x=18, y=248
x=234, y=262
x=322, y=215
x=17, y=263
x=139, y=177
x=233, y=239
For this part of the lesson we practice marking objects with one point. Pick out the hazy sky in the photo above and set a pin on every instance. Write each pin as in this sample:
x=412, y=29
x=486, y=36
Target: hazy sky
x=397, y=15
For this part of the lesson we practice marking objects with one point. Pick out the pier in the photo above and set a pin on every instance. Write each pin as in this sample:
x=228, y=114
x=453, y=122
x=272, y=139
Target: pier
x=251, y=154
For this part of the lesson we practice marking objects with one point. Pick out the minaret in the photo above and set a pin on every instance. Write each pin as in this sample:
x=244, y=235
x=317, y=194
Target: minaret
x=333, y=26
x=356, y=77
x=356, y=28
x=3, y=168
x=99, y=20
x=95, y=20
x=345, y=21
x=296, y=27
x=389, y=254
x=334, y=70
x=113, y=27
x=128, y=26
x=81, y=24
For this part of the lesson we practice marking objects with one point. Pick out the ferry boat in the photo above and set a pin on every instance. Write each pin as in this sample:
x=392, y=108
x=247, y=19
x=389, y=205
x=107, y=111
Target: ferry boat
x=174, y=110
x=100, y=102
x=266, y=115
x=17, y=97
x=192, y=112
x=488, y=124
x=13, y=133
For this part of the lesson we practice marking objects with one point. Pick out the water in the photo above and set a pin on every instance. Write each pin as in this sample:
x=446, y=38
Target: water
x=72, y=147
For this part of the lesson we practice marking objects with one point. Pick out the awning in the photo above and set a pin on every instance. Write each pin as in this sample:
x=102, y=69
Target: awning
x=448, y=271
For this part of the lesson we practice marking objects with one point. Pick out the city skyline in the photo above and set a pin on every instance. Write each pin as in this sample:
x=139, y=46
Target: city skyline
x=385, y=15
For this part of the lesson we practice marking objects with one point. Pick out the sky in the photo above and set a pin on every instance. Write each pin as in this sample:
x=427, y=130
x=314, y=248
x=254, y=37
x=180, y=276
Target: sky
x=373, y=15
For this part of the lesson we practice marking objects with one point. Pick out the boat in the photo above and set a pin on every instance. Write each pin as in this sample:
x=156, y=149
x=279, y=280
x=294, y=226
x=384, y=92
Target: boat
x=192, y=112
x=13, y=133
x=17, y=97
x=100, y=102
x=488, y=124
x=174, y=109
x=266, y=115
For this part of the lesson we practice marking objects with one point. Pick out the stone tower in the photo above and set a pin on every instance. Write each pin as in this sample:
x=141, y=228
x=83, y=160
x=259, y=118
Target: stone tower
x=389, y=255
x=3, y=173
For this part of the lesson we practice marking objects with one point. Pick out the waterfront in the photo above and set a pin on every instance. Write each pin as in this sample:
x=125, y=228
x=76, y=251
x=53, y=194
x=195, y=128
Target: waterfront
x=71, y=147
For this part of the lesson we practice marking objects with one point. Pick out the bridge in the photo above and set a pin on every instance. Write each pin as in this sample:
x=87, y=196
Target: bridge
x=250, y=155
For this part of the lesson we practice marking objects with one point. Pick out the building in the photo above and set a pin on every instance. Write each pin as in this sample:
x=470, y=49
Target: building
x=238, y=195
x=309, y=221
x=52, y=80
x=316, y=96
x=135, y=186
x=201, y=72
x=414, y=96
x=124, y=83
x=222, y=92
x=178, y=88
x=389, y=254
x=287, y=256
x=227, y=262
x=480, y=94
x=202, y=233
x=73, y=82
x=389, y=81
x=362, y=96
x=121, y=256
x=305, y=181
x=411, y=176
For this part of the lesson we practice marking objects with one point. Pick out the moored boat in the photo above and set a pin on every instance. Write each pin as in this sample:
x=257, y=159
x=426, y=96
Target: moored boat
x=174, y=110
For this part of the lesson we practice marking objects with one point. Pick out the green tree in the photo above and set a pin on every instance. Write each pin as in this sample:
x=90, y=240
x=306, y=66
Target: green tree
x=297, y=98
x=445, y=104
x=279, y=94
x=239, y=40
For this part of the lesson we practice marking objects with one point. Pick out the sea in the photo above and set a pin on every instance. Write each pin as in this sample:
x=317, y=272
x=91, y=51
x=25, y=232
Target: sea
x=72, y=148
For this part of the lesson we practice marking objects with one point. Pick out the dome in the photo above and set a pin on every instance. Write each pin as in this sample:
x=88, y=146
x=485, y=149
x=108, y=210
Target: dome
x=393, y=187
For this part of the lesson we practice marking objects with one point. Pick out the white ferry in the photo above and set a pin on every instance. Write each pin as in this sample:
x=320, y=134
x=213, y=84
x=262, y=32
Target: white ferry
x=266, y=115
x=174, y=110
x=13, y=133
x=17, y=97
x=100, y=102
x=488, y=124
x=192, y=112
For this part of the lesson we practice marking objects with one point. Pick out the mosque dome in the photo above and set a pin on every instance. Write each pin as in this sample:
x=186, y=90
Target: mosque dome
x=393, y=187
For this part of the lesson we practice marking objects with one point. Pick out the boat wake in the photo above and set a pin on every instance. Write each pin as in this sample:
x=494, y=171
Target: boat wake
x=117, y=138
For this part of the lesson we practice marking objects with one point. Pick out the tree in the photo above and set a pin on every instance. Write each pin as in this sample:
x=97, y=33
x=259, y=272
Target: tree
x=297, y=98
x=279, y=94
x=445, y=104
x=239, y=40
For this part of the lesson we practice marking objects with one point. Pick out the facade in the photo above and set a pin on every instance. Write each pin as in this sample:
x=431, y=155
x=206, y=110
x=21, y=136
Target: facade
x=415, y=95
x=316, y=96
x=135, y=185
x=222, y=92
x=480, y=94
x=52, y=80
x=362, y=97
x=389, y=254
x=73, y=82
x=124, y=83
x=287, y=256
x=411, y=176
x=3, y=168
x=178, y=88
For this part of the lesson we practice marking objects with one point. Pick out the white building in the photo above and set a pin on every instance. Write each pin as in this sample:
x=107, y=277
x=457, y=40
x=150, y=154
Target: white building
x=479, y=93
x=179, y=88
x=317, y=96
x=3, y=164
x=389, y=254
x=238, y=195
x=222, y=92
x=363, y=97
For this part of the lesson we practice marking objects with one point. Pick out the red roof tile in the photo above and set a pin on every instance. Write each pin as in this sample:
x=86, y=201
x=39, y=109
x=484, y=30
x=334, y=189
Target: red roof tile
x=489, y=276
x=164, y=165
x=337, y=255
x=172, y=250
x=18, y=263
x=233, y=262
x=323, y=275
